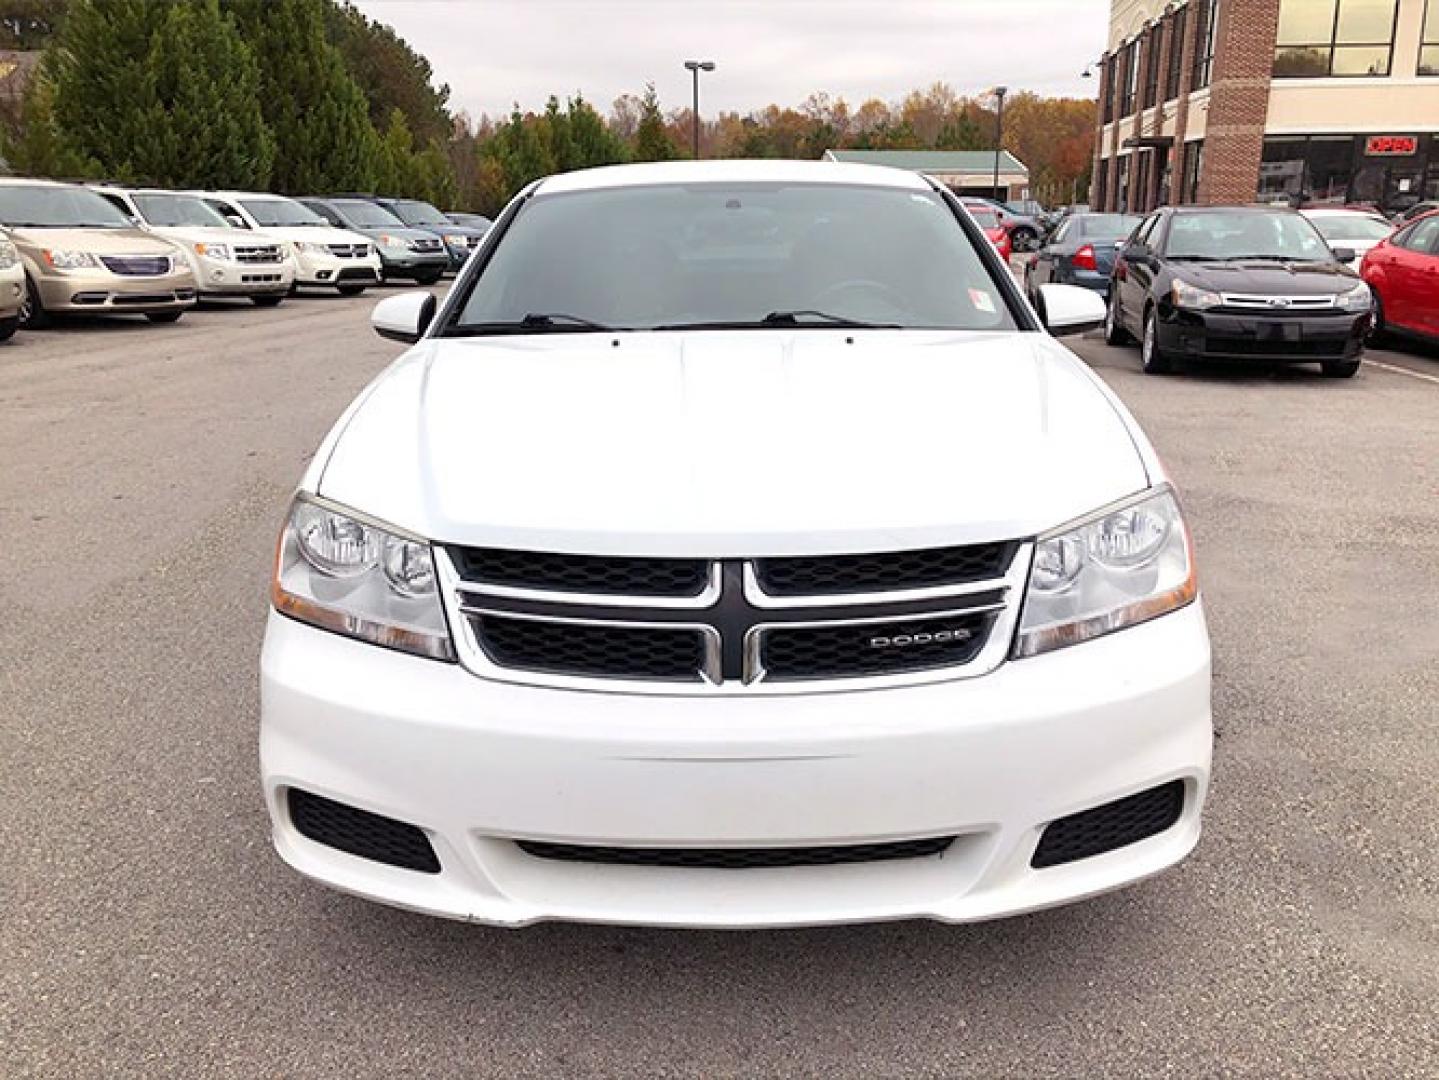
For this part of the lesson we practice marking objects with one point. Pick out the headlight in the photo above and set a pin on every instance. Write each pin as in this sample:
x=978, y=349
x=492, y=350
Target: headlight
x=71, y=260
x=336, y=571
x=1128, y=566
x=456, y=241
x=392, y=242
x=1358, y=299
x=312, y=248
x=213, y=251
x=1193, y=298
x=8, y=255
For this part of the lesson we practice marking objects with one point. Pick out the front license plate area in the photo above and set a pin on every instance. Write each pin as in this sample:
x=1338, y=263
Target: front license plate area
x=1279, y=330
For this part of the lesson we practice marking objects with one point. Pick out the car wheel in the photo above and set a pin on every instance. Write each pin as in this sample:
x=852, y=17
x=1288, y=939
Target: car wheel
x=8, y=327
x=1340, y=369
x=350, y=290
x=428, y=278
x=1114, y=332
x=164, y=316
x=1024, y=240
x=1156, y=361
x=1378, y=334
x=33, y=315
x=265, y=301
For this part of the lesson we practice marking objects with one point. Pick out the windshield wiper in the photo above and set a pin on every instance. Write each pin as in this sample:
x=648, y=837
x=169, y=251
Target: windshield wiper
x=535, y=322
x=799, y=318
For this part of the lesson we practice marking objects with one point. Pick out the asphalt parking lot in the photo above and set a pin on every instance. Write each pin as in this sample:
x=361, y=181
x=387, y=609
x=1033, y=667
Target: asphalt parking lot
x=148, y=929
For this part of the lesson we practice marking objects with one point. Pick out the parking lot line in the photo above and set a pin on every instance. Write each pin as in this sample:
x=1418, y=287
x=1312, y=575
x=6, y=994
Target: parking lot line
x=1403, y=371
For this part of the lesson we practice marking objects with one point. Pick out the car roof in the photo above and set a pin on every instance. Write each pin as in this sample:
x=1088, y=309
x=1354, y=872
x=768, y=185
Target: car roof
x=732, y=172
x=26, y=181
x=238, y=194
x=1339, y=211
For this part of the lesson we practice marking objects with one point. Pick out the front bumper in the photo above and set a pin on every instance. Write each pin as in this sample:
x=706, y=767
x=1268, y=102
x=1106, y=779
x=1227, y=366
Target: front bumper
x=408, y=264
x=12, y=291
x=315, y=270
x=1218, y=335
x=226, y=278
x=101, y=292
x=478, y=764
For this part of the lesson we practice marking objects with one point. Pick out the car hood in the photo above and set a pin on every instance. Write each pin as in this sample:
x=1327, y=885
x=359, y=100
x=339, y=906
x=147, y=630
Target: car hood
x=730, y=444
x=1269, y=278
x=451, y=230
x=97, y=241
x=404, y=232
x=207, y=234
x=313, y=234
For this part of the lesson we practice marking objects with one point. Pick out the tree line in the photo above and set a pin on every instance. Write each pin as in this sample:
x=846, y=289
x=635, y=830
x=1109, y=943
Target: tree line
x=300, y=96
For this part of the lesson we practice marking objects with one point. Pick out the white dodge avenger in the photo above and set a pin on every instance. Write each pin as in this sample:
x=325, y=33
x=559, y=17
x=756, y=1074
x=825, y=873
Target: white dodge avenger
x=735, y=547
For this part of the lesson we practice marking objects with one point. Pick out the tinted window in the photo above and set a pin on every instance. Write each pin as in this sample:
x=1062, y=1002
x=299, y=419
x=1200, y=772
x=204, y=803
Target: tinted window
x=415, y=212
x=165, y=210
x=1351, y=227
x=281, y=212
x=365, y=214
x=713, y=253
x=57, y=207
x=1245, y=234
x=1107, y=226
x=1422, y=236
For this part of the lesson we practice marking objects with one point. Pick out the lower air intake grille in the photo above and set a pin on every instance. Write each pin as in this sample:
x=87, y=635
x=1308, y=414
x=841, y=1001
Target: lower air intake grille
x=738, y=858
x=359, y=832
x=1113, y=825
x=828, y=575
x=840, y=651
x=603, y=575
x=615, y=651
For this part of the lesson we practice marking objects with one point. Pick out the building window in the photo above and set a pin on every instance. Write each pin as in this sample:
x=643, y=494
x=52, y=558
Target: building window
x=1111, y=68
x=1281, y=171
x=1207, y=12
x=1121, y=186
x=1151, y=67
x=1350, y=38
x=1429, y=49
x=1176, y=53
x=1193, y=165
x=1131, y=78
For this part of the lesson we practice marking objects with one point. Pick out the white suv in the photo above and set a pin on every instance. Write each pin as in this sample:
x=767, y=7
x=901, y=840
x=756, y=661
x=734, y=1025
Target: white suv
x=325, y=257
x=226, y=261
x=735, y=548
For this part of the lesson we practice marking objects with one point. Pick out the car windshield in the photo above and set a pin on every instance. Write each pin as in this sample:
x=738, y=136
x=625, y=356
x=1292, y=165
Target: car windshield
x=415, y=212
x=1107, y=226
x=735, y=256
x=165, y=210
x=366, y=215
x=281, y=212
x=1246, y=234
x=1352, y=227
x=45, y=207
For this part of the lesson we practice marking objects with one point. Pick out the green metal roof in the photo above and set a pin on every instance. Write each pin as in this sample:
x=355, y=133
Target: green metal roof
x=933, y=161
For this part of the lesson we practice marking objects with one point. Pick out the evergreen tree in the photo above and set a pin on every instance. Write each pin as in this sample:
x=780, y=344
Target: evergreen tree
x=37, y=148
x=652, y=138
x=324, y=140
x=391, y=74
x=594, y=143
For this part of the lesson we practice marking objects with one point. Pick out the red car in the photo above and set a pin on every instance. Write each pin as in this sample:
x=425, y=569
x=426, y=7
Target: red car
x=988, y=219
x=1403, y=272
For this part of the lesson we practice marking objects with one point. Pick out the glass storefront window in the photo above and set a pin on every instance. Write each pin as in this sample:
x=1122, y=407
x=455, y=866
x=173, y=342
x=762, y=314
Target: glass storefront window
x=1345, y=38
x=1330, y=163
x=1319, y=170
x=1281, y=170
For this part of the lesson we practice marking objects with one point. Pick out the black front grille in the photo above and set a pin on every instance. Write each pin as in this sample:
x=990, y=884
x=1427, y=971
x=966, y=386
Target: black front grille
x=604, y=575
x=608, y=651
x=892, y=648
x=137, y=265
x=359, y=832
x=1279, y=350
x=738, y=858
x=828, y=575
x=1113, y=825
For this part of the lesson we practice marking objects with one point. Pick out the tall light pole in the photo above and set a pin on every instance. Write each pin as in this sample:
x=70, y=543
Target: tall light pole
x=999, y=92
x=695, y=67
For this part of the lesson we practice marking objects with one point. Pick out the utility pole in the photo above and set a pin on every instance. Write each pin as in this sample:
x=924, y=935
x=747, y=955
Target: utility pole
x=695, y=67
x=999, y=92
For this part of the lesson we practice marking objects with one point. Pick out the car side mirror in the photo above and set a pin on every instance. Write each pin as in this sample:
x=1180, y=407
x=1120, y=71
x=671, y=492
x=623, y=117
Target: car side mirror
x=404, y=317
x=1069, y=309
x=1345, y=255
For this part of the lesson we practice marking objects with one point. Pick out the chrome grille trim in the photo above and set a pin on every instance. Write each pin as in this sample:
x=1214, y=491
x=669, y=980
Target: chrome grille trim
x=1278, y=304
x=754, y=592
x=463, y=598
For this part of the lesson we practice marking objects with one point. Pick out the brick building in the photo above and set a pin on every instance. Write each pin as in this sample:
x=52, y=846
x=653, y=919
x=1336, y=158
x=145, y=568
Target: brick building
x=1237, y=101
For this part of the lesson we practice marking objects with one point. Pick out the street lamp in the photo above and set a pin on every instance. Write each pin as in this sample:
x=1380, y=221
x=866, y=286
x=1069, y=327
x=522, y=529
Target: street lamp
x=695, y=67
x=999, y=92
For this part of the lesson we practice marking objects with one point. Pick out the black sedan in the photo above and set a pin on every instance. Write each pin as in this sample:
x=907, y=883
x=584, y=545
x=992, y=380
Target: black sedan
x=1081, y=251
x=1228, y=283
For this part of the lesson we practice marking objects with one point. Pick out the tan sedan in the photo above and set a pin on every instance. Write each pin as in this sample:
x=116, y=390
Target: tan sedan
x=83, y=257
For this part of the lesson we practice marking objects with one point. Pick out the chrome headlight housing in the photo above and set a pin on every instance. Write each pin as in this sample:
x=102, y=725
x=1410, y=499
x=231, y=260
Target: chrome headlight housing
x=456, y=240
x=1192, y=297
x=214, y=251
x=1357, y=300
x=71, y=260
x=9, y=256
x=341, y=571
x=1118, y=568
x=311, y=248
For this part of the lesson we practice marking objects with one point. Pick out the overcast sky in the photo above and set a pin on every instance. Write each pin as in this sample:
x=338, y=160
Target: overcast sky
x=496, y=52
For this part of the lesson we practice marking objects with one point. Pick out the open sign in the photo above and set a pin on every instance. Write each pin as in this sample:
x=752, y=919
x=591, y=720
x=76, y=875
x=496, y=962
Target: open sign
x=1391, y=145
